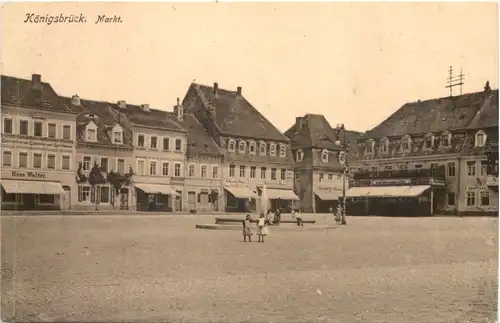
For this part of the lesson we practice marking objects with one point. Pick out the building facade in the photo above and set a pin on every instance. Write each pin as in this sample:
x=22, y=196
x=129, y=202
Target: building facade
x=318, y=174
x=257, y=170
x=438, y=145
x=38, y=147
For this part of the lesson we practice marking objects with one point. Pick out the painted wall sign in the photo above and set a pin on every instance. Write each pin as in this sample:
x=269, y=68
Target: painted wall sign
x=391, y=181
x=36, y=175
x=34, y=143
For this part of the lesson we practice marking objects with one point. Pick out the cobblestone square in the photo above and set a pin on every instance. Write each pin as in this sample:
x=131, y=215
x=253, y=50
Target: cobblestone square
x=159, y=268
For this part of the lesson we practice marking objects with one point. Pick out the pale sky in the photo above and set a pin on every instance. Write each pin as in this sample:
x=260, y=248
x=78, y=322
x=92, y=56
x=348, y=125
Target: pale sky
x=356, y=63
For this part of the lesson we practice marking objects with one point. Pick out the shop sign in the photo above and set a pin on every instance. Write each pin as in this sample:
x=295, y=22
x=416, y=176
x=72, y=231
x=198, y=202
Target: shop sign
x=477, y=187
x=391, y=181
x=35, y=175
x=34, y=143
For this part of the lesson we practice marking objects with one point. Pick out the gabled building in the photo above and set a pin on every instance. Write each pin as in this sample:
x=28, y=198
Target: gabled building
x=318, y=173
x=105, y=141
x=434, y=150
x=38, y=146
x=257, y=156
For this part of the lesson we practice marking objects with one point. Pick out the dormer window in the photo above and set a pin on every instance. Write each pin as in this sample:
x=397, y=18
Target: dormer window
x=480, y=139
x=117, y=137
x=384, y=145
x=282, y=150
x=242, y=147
x=369, y=146
x=324, y=156
x=253, y=148
x=91, y=135
x=429, y=141
x=272, y=149
x=299, y=155
x=406, y=144
x=231, y=145
x=262, y=148
x=446, y=139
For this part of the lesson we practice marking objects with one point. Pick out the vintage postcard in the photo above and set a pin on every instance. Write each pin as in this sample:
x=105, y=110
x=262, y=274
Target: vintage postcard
x=249, y=162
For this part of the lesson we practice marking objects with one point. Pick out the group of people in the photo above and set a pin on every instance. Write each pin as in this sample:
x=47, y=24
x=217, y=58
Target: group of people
x=262, y=229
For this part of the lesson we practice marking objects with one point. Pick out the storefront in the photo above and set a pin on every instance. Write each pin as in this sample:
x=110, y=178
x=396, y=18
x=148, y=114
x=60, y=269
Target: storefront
x=30, y=190
x=240, y=199
x=156, y=197
x=326, y=199
x=280, y=198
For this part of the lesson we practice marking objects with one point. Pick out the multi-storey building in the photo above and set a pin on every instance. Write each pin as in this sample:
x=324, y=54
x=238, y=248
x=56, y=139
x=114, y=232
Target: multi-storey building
x=103, y=141
x=38, y=146
x=430, y=154
x=159, y=156
x=318, y=173
x=258, y=166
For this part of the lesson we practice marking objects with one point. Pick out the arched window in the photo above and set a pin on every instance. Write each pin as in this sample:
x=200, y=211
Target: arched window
x=282, y=150
x=429, y=141
x=231, y=145
x=406, y=143
x=384, y=145
x=299, y=155
x=262, y=148
x=446, y=139
x=242, y=146
x=252, y=148
x=324, y=156
x=480, y=139
x=369, y=146
x=272, y=149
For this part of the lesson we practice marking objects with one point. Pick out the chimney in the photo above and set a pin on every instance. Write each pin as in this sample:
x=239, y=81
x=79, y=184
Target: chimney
x=179, y=110
x=487, y=87
x=122, y=104
x=298, y=123
x=75, y=100
x=36, y=79
x=238, y=90
x=216, y=89
x=145, y=107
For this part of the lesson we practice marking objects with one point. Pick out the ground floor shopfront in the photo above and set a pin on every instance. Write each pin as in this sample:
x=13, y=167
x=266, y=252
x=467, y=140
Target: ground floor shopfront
x=326, y=199
x=35, y=190
x=241, y=198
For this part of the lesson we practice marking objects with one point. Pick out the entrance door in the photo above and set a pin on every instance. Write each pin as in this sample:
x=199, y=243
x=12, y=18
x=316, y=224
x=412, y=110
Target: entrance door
x=124, y=199
x=66, y=202
x=192, y=200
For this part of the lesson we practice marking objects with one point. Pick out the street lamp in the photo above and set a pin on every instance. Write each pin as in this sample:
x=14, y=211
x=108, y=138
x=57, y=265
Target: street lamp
x=342, y=160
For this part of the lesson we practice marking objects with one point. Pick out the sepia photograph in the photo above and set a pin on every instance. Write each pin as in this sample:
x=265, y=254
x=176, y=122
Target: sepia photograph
x=249, y=162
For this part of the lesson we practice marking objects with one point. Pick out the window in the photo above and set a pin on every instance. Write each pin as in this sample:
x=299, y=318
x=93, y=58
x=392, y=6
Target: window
x=485, y=198
x=253, y=169
x=154, y=143
x=272, y=149
x=166, y=143
x=299, y=155
x=23, y=127
x=37, y=160
x=263, y=172
x=178, y=145
x=321, y=177
x=403, y=167
x=121, y=166
x=91, y=135
x=480, y=138
x=203, y=171
x=215, y=171
x=405, y=143
x=105, y=194
x=51, y=161
x=23, y=160
x=369, y=146
x=104, y=164
x=282, y=151
x=242, y=171
x=242, y=146
x=428, y=141
x=45, y=198
x=67, y=132
x=451, y=169
x=51, y=131
x=140, y=140
x=140, y=167
x=191, y=171
x=231, y=144
x=471, y=198
x=253, y=149
x=273, y=174
x=387, y=167
x=117, y=137
x=383, y=145
x=7, y=158
x=177, y=170
x=152, y=168
x=283, y=174
x=324, y=156
x=86, y=163
x=7, y=125
x=471, y=168
x=231, y=170
x=417, y=166
x=83, y=193
x=65, y=162
x=451, y=198
x=446, y=139
x=262, y=148
x=484, y=168
x=165, y=168
x=330, y=176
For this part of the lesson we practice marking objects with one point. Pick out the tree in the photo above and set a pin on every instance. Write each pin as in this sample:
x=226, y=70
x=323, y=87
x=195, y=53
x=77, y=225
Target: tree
x=118, y=180
x=80, y=176
x=95, y=179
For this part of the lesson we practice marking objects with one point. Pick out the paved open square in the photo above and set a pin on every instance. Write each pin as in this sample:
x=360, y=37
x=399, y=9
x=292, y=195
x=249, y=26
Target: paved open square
x=160, y=268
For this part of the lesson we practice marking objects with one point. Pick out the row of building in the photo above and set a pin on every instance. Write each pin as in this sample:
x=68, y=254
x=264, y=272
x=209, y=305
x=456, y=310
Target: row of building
x=215, y=152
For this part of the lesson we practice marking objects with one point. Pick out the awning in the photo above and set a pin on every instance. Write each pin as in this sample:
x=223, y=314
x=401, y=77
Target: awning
x=328, y=195
x=241, y=192
x=387, y=191
x=156, y=189
x=274, y=194
x=31, y=187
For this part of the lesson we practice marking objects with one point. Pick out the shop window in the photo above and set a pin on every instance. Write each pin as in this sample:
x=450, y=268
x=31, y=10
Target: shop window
x=46, y=199
x=451, y=198
x=471, y=198
x=8, y=198
x=83, y=193
x=485, y=198
x=105, y=194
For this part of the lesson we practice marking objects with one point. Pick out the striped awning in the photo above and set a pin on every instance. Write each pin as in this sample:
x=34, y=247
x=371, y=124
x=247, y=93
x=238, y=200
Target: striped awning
x=156, y=189
x=387, y=191
x=241, y=192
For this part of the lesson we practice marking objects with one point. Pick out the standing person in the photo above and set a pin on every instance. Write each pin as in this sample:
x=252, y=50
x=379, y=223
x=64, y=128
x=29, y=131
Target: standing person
x=261, y=224
x=277, y=216
x=298, y=216
x=269, y=217
x=293, y=214
x=247, y=229
x=338, y=216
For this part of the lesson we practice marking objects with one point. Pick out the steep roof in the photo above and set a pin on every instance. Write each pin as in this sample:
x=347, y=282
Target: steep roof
x=437, y=115
x=235, y=116
x=23, y=93
x=313, y=130
x=487, y=116
x=100, y=113
x=199, y=142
